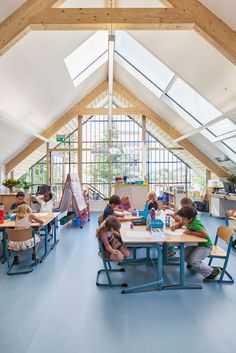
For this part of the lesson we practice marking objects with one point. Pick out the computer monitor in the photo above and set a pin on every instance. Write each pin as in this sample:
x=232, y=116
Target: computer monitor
x=229, y=188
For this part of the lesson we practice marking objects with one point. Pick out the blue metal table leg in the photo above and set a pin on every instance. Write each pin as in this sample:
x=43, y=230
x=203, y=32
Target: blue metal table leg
x=181, y=284
x=55, y=240
x=45, y=245
x=157, y=283
x=4, y=246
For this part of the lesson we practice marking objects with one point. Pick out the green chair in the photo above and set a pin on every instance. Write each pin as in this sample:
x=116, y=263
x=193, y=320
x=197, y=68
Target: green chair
x=225, y=234
x=107, y=270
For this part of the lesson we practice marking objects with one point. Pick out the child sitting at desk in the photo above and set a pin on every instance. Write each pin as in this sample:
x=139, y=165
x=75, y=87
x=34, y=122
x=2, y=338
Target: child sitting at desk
x=185, y=201
x=46, y=204
x=20, y=200
x=124, y=203
x=112, y=208
x=109, y=234
x=46, y=201
x=24, y=219
x=194, y=255
x=152, y=201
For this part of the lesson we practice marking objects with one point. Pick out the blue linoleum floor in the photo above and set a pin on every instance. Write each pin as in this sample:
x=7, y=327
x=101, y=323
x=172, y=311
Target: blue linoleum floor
x=58, y=308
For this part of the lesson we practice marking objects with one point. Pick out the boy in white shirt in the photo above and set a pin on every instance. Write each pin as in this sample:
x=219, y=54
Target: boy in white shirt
x=47, y=202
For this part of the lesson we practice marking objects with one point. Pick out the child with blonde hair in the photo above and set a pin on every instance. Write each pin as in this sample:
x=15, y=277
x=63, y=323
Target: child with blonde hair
x=152, y=201
x=24, y=219
x=125, y=203
x=109, y=234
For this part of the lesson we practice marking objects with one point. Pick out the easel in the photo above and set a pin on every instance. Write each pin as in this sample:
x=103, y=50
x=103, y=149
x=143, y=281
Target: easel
x=72, y=197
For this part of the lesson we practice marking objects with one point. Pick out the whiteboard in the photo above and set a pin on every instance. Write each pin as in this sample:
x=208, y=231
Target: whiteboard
x=77, y=192
x=72, y=189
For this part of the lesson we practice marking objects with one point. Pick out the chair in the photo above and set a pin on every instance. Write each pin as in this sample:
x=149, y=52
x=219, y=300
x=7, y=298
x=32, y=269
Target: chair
x=225, y=234
x=107, y=270
x=100, y=219
x=19, y=235
x=230, y=220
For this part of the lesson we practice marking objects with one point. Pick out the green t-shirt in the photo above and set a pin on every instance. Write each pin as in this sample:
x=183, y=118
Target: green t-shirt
x=197, y=226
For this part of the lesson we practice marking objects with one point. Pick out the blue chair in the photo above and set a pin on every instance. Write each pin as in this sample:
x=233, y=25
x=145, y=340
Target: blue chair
x=18, y=235
x=225, y=234
x=107, y=270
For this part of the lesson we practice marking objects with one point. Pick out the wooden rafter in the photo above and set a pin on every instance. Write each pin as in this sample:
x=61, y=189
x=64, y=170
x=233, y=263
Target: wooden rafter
x=168, y=129
x=17, y=25
x=209, y=26
x=57, y=125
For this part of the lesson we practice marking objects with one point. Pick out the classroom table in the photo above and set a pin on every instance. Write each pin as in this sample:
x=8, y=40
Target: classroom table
x=161, y=239
x=49, y=217
x=140, y=237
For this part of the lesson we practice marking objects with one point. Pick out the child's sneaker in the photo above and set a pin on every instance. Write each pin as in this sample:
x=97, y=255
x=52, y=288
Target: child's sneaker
x=216, y=272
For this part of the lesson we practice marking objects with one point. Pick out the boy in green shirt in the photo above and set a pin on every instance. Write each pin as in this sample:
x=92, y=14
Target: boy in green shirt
x=194, y=255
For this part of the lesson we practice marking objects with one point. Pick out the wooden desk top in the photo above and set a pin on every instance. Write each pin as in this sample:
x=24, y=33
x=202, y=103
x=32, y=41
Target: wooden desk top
x=225, y=197
x=46, y=217
x=140, y=235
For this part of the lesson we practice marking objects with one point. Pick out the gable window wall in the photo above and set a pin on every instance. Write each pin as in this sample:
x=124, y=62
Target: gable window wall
x=101, y=164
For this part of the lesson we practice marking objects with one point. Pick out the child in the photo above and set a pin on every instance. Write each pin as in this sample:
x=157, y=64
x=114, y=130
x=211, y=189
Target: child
x=185, y=201
x=194, y=255
x=152, y=200
x=24, y=219
x=112, y=208
x=125, y=203
x=109, y=233
x=20, y=200
x=46, y=204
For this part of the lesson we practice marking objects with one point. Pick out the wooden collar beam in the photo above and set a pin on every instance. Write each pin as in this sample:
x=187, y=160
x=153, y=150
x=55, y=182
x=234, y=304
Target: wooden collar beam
x=119, y=18
x=104, y=111
x=185, y=14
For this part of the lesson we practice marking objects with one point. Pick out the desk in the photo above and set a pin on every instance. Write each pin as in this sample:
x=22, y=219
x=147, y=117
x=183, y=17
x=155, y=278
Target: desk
x=146, y=241
x=220, y=203
x=47, y=218
x=159, y=241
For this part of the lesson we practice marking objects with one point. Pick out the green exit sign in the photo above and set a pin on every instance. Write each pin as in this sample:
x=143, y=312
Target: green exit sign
x=60, y=138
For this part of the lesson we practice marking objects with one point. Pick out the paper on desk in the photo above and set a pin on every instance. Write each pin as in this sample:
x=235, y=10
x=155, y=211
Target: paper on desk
x=175, y=232
x=137, y=234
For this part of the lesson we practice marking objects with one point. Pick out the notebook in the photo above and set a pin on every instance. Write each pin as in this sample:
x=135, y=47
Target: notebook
x=175, y=232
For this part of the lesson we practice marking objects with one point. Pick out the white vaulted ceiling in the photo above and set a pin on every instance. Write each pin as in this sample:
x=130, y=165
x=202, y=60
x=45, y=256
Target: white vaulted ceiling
x=36, y=87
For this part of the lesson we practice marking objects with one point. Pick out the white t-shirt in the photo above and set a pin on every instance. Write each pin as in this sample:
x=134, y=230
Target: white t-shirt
x=46, y=206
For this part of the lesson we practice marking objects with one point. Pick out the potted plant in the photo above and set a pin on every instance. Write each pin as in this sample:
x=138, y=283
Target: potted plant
x=10, y=183
x=25, y=185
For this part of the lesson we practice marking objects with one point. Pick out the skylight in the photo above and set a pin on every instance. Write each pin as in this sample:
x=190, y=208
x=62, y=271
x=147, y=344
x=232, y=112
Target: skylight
x=88, y=57
x=222, y=127
x=135, y=56
x=158, y=78
x=193, y=102
x=231, y=143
